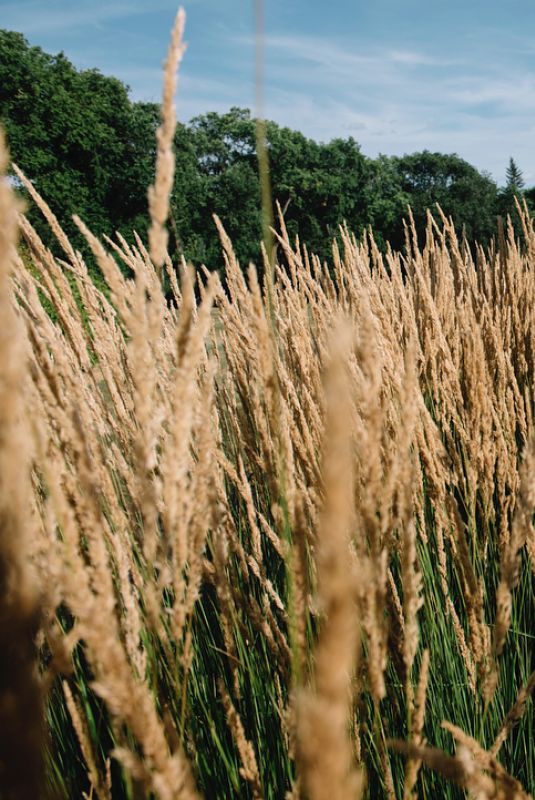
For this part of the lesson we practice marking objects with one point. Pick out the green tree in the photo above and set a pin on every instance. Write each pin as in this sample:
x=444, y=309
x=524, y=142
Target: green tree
x=388, y=201
x=512, y=192
x=77, y=136
x=514, y=178
x=320, y=185
x=217, y=173
x=464, y=193
x=529, y=196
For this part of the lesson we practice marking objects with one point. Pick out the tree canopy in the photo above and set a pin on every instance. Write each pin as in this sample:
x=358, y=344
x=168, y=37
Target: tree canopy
x=77, y=136
x=462, y=192
x=89, y=149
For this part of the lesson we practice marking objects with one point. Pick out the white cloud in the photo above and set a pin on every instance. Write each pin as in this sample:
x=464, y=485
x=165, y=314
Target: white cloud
x=33, y=17
x=420, y=59
x=514, y=94
x=401, y=100
x=343, y=58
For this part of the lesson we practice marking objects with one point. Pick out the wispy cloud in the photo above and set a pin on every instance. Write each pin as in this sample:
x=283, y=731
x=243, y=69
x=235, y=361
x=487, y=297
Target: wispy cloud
x=396, y=100
x=516, y=94
x=416, y=59
x=340, y=56
x=33, y=17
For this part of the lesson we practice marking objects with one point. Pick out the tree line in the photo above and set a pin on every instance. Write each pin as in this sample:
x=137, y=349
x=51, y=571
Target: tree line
x=90, y=149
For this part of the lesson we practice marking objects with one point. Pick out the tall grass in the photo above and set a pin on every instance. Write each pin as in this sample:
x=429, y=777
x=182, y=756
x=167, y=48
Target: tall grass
x=21, y=743
x=282, y=534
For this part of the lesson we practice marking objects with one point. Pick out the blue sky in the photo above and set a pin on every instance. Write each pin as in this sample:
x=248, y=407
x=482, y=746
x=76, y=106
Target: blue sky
x=398, y=76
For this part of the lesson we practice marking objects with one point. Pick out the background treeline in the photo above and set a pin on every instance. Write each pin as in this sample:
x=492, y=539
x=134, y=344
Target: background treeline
x=88, y=148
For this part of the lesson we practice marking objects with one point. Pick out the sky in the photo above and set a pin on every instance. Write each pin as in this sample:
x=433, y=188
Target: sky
x=397, y=75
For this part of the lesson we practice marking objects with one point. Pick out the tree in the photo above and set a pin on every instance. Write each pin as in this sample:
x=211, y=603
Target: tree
x=77, y=137
x=514, y=178
x=512, y=192
x=388, y=202
x=464, y=193
x=322, y=185
x=529, y=197
x=217, y=173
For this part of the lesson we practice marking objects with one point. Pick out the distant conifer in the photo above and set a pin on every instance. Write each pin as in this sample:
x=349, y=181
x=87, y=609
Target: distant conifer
x=514, y=177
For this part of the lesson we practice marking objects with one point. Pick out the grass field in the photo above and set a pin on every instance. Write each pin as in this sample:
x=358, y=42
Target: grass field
x=266, y=541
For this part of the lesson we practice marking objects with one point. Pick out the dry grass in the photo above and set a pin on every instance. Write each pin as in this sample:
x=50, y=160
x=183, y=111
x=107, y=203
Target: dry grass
x=21, y=742
x=264, y=550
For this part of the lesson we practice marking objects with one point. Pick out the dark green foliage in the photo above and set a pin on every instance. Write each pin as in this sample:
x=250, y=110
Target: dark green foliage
x=90, y=149
x=77, y=136
x=320, y=185
x=468, y=196
x=514, y=178
x=217, y=174
x=512, y=193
